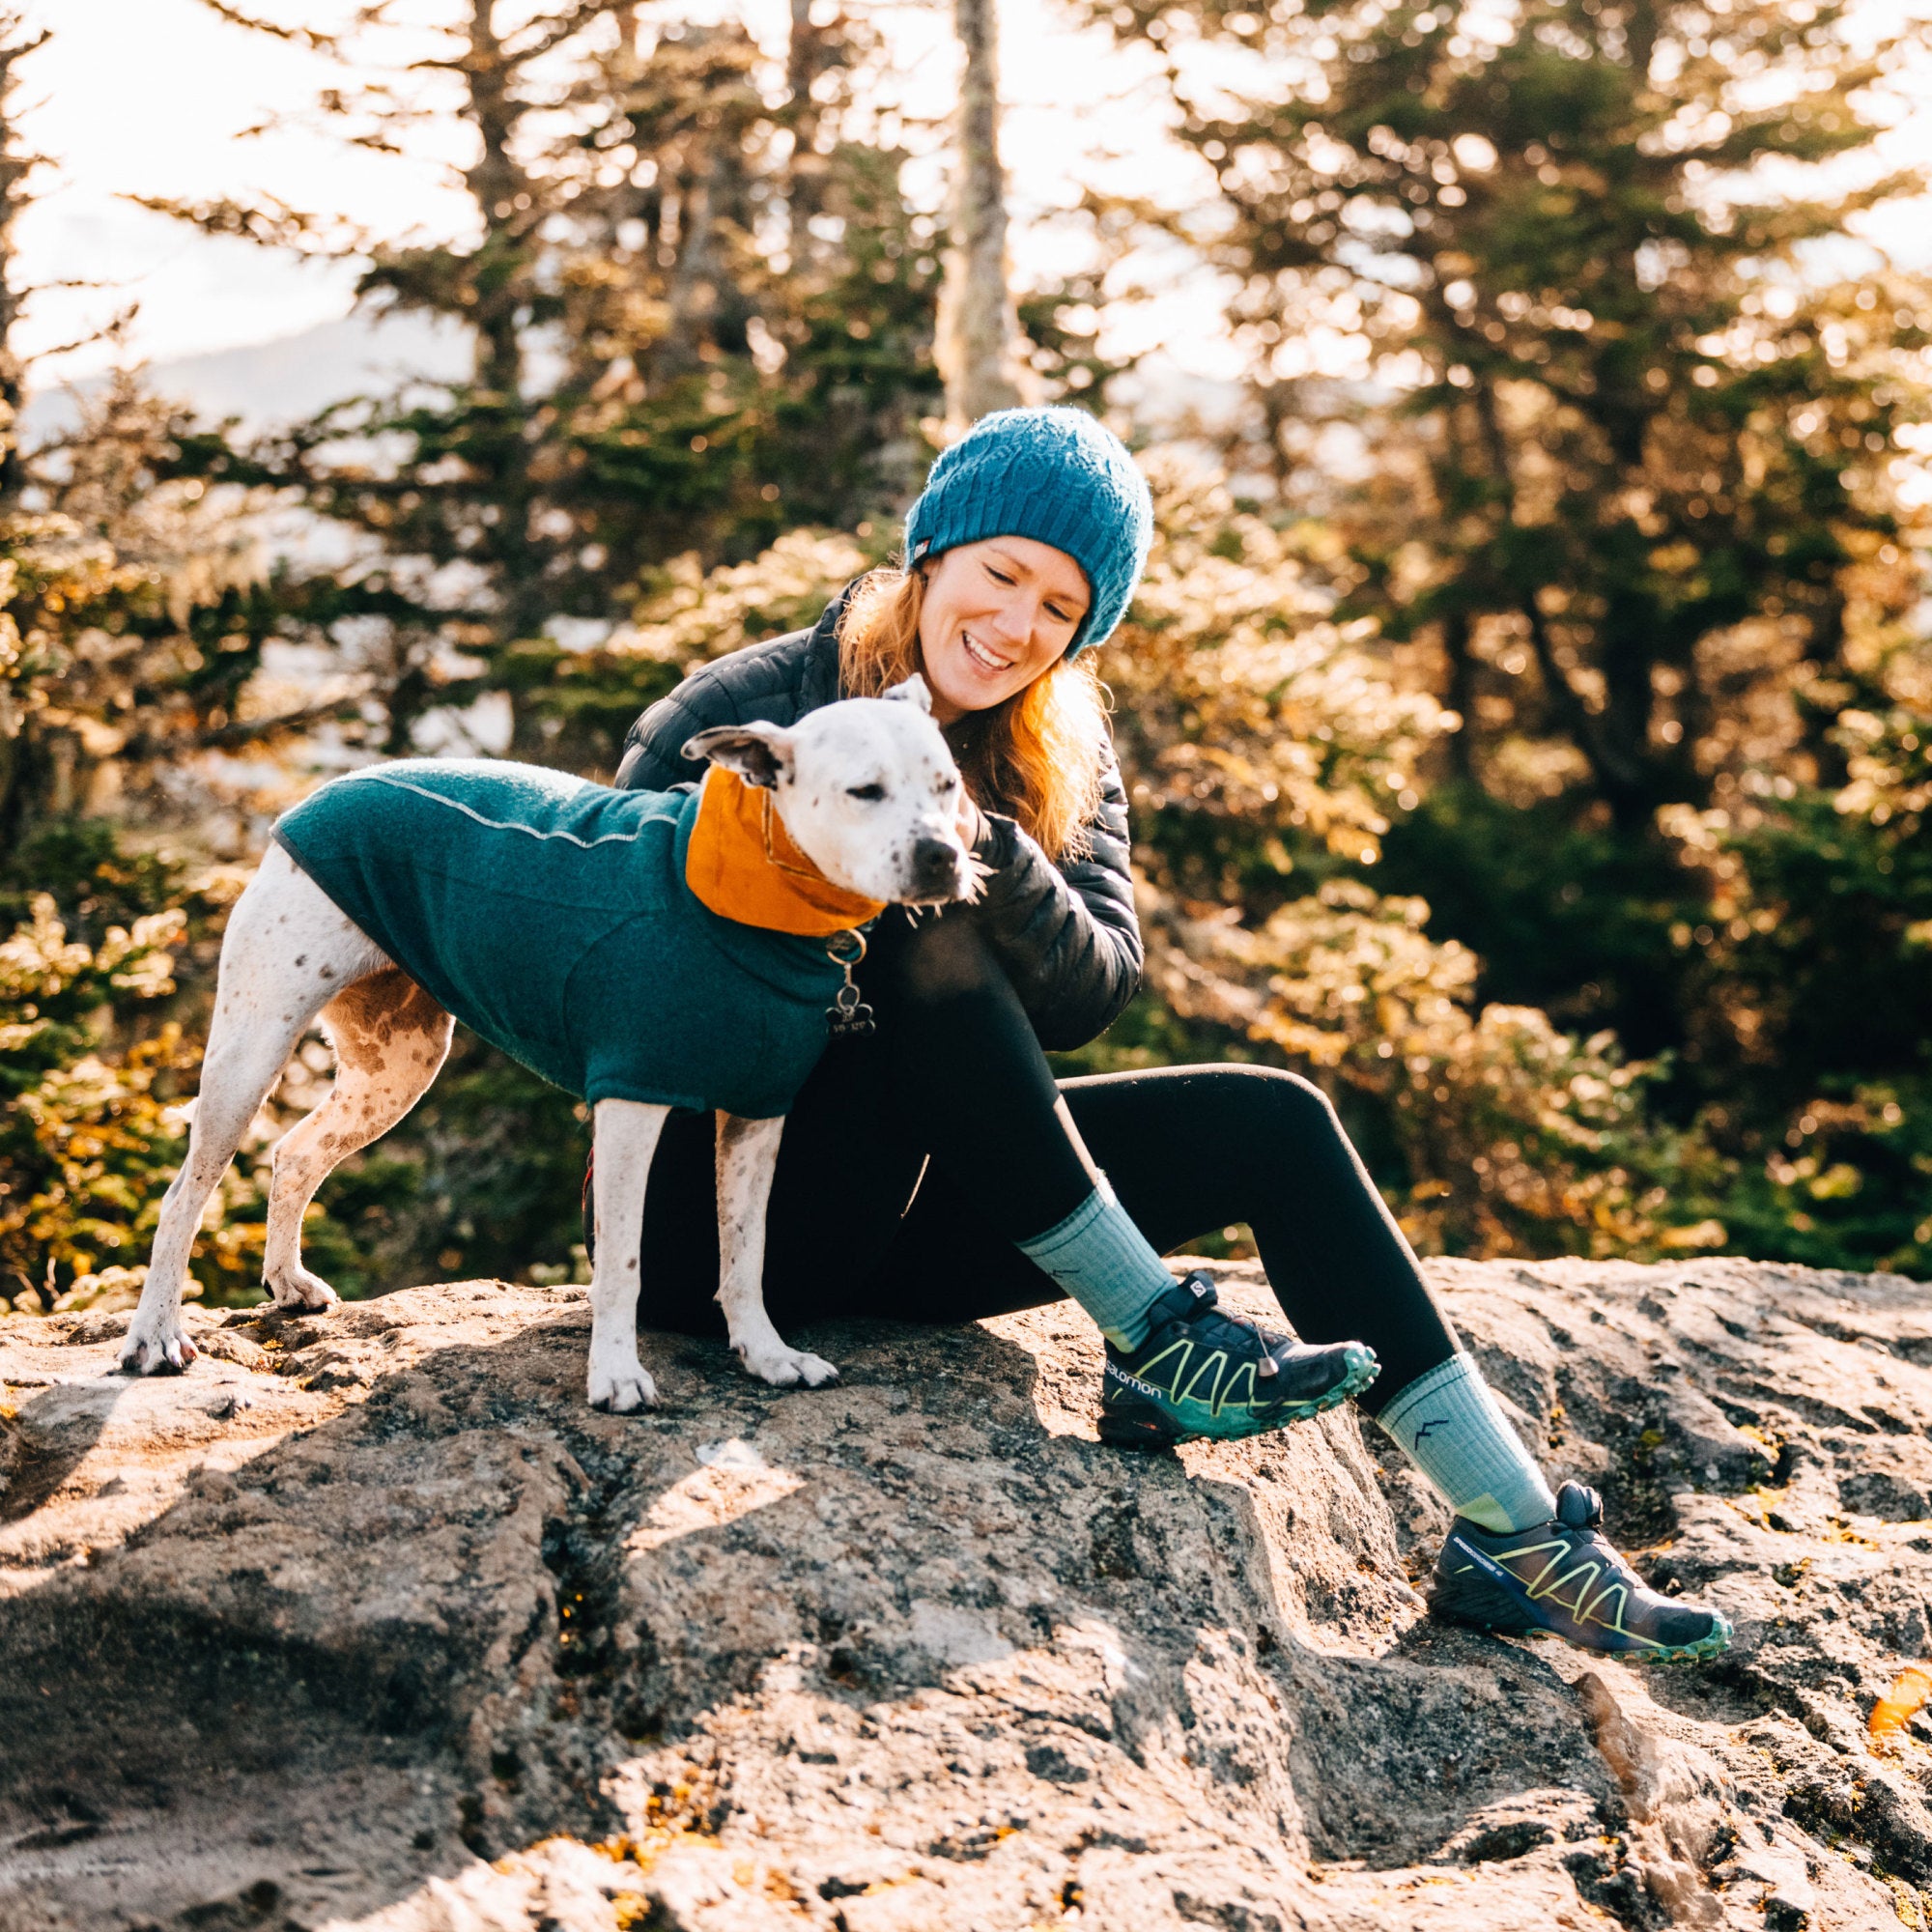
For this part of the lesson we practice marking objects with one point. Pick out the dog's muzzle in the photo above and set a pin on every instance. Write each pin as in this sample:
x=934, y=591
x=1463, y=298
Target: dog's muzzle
x=937, y=871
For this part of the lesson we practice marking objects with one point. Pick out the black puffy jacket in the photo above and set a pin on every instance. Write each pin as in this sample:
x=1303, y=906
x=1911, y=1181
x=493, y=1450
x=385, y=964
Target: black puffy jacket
x=1067, y=934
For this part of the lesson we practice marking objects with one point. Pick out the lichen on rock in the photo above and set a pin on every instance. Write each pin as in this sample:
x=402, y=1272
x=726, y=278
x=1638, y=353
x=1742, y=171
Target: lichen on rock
x=370, y=1621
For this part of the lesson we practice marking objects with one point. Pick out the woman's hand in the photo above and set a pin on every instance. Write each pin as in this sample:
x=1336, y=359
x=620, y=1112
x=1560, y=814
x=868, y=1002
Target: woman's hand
x=970, y=822
x=982, y=836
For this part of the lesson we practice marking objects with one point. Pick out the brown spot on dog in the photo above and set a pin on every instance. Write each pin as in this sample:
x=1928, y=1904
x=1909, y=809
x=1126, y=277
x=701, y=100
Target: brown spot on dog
x=389, y=1039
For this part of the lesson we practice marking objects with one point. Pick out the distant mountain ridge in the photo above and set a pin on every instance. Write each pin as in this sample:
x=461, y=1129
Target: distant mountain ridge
x=287, y=378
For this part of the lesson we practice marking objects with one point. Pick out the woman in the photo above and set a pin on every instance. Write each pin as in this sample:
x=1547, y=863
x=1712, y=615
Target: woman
x=934, y=1170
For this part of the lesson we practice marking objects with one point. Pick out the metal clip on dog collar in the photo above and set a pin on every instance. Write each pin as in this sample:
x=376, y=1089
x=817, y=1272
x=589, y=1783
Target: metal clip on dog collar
x=848, y=1015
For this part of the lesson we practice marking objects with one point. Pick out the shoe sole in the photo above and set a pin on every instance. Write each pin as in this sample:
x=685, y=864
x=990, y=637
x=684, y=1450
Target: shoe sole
x=1123, y=1432
x=1701, y=1652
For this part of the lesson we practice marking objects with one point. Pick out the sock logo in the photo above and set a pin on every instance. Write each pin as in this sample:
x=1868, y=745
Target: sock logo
x=1434, y=1422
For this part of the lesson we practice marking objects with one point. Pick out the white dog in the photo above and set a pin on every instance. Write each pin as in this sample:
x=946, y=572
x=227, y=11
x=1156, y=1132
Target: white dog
x=866, y=796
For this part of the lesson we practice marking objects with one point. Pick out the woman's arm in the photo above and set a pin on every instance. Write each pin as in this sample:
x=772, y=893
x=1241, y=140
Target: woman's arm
x=773, y=683
x=1069, y=939
x=652, y=759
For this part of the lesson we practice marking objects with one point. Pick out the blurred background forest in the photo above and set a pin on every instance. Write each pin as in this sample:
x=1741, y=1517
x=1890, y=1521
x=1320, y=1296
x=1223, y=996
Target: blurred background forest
x=1527, y=711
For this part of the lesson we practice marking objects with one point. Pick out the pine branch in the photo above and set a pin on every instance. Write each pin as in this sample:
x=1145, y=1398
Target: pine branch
x=563, y=26
x=111, y=327
x=9, y=55
x=270, y=223
x=147, y=747
x=301, y=37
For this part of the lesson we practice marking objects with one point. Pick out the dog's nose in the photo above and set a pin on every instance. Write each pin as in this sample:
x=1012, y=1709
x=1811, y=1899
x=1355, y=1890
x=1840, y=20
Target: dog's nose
x=935, y=866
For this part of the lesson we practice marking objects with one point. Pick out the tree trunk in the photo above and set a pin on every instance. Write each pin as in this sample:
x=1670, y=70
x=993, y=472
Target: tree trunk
x=1621, y=775
x=806, y=57
x=15, y=167
x=977, y=329
x=496, y=180
x=1829, y=764
x=1460, y=694
x=22, y=784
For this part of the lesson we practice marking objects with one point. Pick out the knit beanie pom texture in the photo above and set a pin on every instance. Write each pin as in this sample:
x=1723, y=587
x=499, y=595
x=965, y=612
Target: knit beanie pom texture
x=1057, y=476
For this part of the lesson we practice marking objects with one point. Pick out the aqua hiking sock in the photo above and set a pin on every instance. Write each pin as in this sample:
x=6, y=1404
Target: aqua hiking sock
x=1104, y=1263
x=1454, y=1432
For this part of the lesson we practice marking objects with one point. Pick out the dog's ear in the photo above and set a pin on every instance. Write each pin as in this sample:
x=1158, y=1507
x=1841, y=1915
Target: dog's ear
x=759, y=754
x=914, y=691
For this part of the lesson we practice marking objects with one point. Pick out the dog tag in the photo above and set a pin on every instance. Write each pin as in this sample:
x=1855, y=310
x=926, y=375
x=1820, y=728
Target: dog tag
x=848, y=1015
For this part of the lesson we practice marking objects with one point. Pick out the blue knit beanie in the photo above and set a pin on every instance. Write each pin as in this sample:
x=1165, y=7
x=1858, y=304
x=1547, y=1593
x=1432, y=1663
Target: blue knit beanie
x=1056, y=475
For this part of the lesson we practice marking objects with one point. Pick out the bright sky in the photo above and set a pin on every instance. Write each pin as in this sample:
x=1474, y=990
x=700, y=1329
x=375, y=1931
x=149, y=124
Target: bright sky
x=149, y=96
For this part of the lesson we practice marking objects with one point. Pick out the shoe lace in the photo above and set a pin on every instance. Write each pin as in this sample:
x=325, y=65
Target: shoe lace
x=1208, y=1306
x=1586, y=1506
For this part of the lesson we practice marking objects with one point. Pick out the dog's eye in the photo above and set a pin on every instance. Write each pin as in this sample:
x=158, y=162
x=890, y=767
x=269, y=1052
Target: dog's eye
x=871, y=794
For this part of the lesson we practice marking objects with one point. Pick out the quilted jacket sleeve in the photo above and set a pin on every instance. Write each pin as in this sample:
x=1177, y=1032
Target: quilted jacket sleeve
x=1069, y=937
x=652, y=760
x=759, y=685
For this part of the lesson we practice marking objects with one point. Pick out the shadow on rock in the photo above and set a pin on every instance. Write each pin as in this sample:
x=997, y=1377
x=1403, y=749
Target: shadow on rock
x=48, y=1437
x=370, y=1621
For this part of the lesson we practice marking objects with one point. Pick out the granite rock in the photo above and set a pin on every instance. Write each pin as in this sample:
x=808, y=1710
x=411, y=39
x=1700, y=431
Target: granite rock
x=368, y=1621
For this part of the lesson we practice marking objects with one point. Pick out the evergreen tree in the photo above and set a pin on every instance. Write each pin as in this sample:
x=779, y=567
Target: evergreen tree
x=1628, y=503
x=698, y=316
x=134, y=602
x=1631, y=424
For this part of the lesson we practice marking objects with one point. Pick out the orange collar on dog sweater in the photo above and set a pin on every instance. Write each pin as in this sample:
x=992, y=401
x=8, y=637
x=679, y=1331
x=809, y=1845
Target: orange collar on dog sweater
x=743, y=865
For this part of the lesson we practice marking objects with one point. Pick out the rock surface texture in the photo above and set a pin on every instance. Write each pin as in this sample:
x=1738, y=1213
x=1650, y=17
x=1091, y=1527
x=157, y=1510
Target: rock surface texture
x=369, y=1621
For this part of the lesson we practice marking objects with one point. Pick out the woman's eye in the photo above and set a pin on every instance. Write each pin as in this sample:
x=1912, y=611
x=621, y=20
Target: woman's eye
x=871, y=794
x=999, y=576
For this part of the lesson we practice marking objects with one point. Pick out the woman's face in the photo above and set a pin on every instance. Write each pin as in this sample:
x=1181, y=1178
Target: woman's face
x=996, y=615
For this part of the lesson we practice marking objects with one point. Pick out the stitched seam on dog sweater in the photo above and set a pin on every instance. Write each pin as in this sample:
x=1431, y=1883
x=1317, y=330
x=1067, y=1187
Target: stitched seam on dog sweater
x=498, y=824
x=554, y=951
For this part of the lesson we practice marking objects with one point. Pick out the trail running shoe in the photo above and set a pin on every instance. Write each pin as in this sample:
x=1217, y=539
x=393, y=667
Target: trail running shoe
x=1201, y=1373
x=1563, y=1579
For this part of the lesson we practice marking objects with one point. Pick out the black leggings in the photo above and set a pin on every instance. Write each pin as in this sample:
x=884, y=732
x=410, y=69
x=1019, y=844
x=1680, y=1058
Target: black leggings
x=915, y=1158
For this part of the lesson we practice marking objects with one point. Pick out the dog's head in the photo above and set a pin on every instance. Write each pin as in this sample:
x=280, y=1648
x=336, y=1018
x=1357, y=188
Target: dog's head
x=867, y=789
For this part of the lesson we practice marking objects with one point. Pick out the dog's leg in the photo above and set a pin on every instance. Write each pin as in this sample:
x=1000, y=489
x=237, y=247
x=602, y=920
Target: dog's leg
x=626, y=1133
x=748, y=1152
x=287, y=952
x=391, y=1038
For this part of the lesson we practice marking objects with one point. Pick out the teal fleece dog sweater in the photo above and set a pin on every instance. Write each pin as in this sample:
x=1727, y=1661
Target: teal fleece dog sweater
x=550, y=915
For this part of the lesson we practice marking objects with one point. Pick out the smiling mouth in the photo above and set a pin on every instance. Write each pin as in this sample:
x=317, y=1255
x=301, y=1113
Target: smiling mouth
x=982, y=656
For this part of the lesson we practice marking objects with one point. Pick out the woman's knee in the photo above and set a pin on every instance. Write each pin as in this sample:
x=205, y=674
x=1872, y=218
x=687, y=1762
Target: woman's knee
x=1278, y=1102
x=940, y=959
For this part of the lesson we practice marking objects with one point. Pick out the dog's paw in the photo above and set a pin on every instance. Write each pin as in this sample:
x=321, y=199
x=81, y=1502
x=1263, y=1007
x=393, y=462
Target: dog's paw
x=156, y=1348
x=814, y=1370
x=622, y=1388
x=786, y=1368
x=300, y=1293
